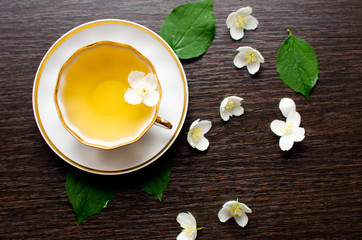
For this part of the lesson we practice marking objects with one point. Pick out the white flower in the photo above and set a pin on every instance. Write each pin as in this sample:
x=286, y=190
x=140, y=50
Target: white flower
x=234, y=209
x=231, y=106
x=188, y=223
x=289, y=131
x=240, y=20
x=249, y=57
x=144, y=88
x=195, y=136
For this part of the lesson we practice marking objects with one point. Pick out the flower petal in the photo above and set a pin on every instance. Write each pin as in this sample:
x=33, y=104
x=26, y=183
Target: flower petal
x=286, y=142
x=223, y=103
x=225, y=115
x=276, y=127
x=151, y=81
x=230, y=20
x=151, y=98
x=236, y=33
x=238, y=110
x=224, y=214
x=190, y=140
x=245, y=208
x=194, y=124
x=184, y=218
x=182, y=236
x=136, y=78
x=205, y=126
x=245, y=11
x=192, y=219
x=202, y=144
x=251, y=23
x=236, y=99
x=242, y=220
x=298, y=134
x=244, y=50
x=132, y=97
x=235, y=109
x=194, y=235
x=294, y=118
x=260, y=58
x=230, y=203
x=253, y=67
x=240, y=61
x=286, y=106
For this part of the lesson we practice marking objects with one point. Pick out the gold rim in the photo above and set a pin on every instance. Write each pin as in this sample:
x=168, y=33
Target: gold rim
x=77, y=136
x=40, y=71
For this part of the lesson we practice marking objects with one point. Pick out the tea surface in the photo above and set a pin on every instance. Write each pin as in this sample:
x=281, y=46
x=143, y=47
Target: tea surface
x=92, y=92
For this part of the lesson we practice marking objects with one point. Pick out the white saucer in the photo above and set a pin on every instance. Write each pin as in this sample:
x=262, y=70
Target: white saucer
x=157, y=139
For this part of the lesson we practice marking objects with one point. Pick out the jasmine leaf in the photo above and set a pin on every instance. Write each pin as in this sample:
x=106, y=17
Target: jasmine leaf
x=88, y=195
x=297, y=65
x=156, y=183
x=190, y=29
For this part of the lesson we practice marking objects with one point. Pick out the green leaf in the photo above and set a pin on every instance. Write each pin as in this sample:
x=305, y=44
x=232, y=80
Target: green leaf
x=156, y=183
x=190, y=29
x=88, y=195
x=297, y=65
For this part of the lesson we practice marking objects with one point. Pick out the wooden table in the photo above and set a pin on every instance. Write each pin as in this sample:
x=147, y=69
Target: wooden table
x=311, y=192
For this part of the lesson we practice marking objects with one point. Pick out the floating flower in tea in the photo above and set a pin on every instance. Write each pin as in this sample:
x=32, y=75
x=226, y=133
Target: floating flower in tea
x=144, y=88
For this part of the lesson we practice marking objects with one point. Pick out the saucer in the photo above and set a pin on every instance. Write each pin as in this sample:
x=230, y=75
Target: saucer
x=155, y=141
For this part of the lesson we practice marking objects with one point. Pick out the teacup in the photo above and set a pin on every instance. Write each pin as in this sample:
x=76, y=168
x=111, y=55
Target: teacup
x=90, y=95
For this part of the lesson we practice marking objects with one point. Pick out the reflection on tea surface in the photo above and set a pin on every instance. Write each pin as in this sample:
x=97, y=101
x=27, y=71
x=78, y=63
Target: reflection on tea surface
x=91, y=93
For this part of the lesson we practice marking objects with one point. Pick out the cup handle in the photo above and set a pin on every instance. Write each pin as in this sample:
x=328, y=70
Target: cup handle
x=164, y=122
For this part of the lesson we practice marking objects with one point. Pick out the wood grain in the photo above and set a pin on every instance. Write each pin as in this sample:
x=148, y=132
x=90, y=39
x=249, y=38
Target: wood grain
x=311, y=192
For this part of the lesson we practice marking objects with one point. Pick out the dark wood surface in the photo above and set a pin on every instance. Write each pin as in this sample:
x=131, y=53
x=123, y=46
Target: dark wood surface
x=311, y=192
